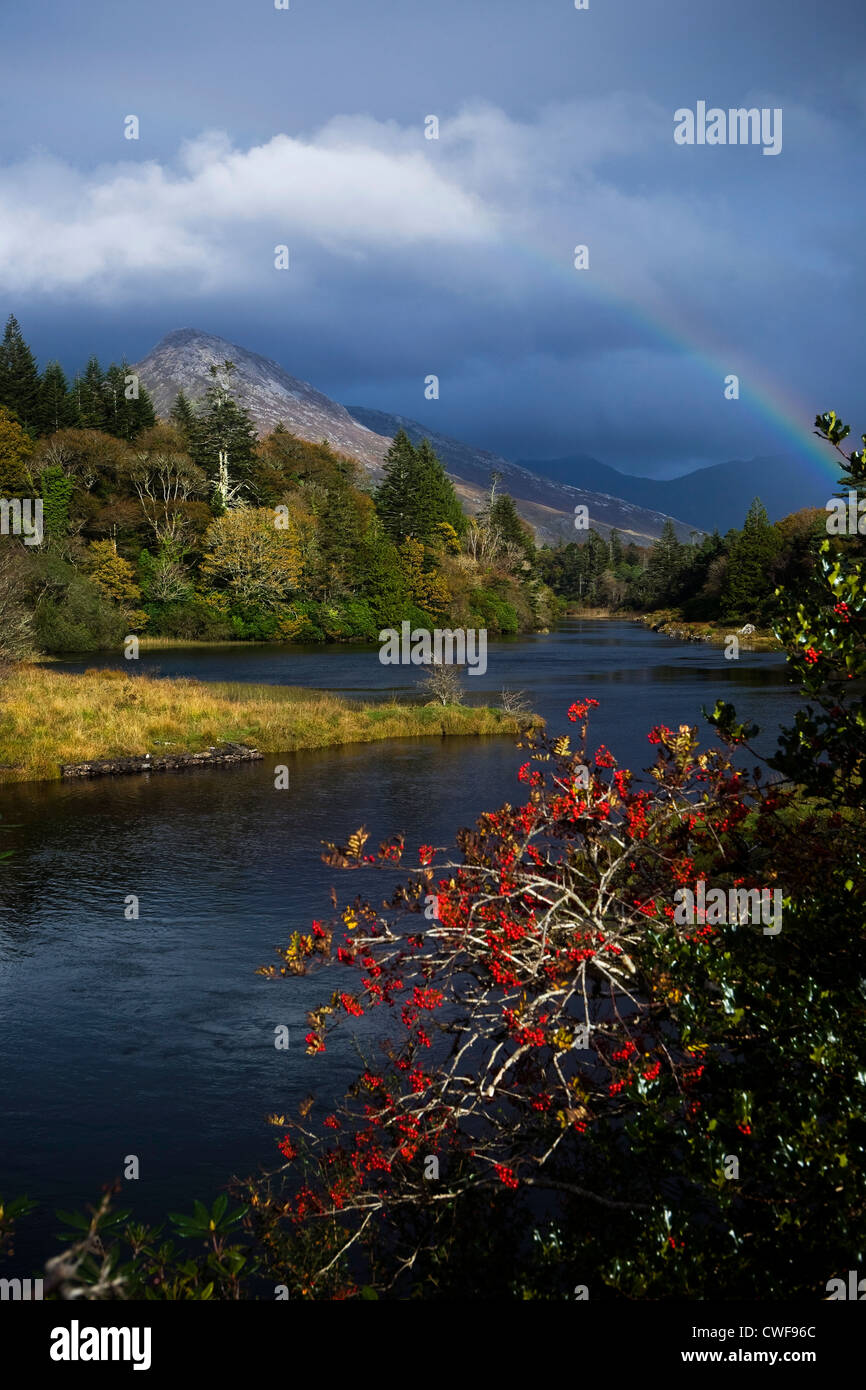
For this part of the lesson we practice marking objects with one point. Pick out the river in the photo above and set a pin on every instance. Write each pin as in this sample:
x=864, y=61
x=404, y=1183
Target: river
x=154, y=1036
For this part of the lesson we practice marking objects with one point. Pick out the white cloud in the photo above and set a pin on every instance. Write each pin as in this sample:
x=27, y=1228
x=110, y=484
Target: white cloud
x=116, y=229
x=488, y=214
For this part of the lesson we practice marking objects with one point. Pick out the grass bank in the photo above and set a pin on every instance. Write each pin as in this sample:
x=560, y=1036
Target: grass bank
x=716, y=633
x=49, y=717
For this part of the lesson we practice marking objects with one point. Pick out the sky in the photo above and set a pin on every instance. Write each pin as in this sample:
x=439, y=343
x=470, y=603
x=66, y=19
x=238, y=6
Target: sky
x=454, y=257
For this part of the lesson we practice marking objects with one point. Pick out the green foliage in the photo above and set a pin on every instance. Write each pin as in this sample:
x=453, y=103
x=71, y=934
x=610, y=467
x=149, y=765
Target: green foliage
x=505, y=520
x=72, y=613
x=192, y=620
x=222, y=435
x=493, y=612
x=19, y=378
x=416, y=495
x=340, y=566
x=57, y=404
x=56, y=491
x=751, y=559
x=823, y=626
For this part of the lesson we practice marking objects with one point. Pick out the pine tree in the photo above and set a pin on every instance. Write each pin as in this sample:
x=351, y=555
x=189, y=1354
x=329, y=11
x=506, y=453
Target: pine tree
x=435, y=498
x=749, y=581
x=665, y=565
x=19, y=377
x=394, y=497
x=506, y=522
x=129, y=408
x=91, y=406
x=183, y=415
x=379, y=575
x=223, y=438
x=56, y=403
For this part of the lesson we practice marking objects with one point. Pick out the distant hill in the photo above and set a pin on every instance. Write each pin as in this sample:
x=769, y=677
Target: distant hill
x=271, y=395
x=545, y=502
x=718, y=496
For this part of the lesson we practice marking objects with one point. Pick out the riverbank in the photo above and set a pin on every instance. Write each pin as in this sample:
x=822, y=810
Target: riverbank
x=50, y=719
x=716, y=633
x=672, y=624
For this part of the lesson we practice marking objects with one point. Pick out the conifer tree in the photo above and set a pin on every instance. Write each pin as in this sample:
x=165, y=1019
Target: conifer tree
x=506, y=522
x=223, y=438
x=394, y=498
x=129, y=408
x=664, y=566
x=91, y=406
x=56, y=403
x=436, y=500
x=615, y=548
x=749, y=576
x=183, y=415
x=19, y=377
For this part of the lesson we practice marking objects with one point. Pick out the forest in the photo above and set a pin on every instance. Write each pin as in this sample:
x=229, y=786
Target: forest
x=730, y=578
x=194, y=528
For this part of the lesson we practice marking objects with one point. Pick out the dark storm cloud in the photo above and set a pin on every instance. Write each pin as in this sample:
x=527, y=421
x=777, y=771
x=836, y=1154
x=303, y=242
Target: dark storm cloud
x=409, y=257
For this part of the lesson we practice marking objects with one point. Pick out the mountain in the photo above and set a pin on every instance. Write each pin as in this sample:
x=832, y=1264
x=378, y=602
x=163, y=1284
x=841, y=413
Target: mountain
x=718, y=496
x=181, y=361
x=545, y=502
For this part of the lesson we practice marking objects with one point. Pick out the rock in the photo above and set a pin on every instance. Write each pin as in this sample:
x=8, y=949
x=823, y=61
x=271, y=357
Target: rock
x=117, y=767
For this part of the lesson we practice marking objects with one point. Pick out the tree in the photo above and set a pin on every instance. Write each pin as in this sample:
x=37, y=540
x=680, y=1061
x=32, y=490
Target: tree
x=57, y=404
x=435, y=499
x=129, y=408
x=223, y=438
x=822, y=623
x=164, y=577
x=571, y=1065
x=664, y=566
x=615, y=547
x=19, y=378
x=165, y=479
x=751, y=559
x=426, y=588
x=379, y=575
x=394, y=498
x=114, y=575
x=95, y=461
x=91, y=398
x=442, y=683
x=56, y=490
x=16, y=618
x=16, y=451
x=513, y=533
x=183, y=416
x=249, y=559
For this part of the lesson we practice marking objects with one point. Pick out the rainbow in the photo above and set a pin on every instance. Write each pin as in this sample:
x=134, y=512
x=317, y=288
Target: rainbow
x=788, y=417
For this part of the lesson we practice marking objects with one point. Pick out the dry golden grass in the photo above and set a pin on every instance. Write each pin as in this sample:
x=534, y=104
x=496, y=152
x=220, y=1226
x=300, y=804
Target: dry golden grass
x=49, y=717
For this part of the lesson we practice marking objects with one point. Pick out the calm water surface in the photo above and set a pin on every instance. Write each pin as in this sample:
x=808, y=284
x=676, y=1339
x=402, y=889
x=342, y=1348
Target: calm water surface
x=155, y=1037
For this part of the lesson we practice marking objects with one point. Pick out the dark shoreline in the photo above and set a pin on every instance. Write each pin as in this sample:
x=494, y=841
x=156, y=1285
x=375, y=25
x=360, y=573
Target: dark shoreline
x=118, y=767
